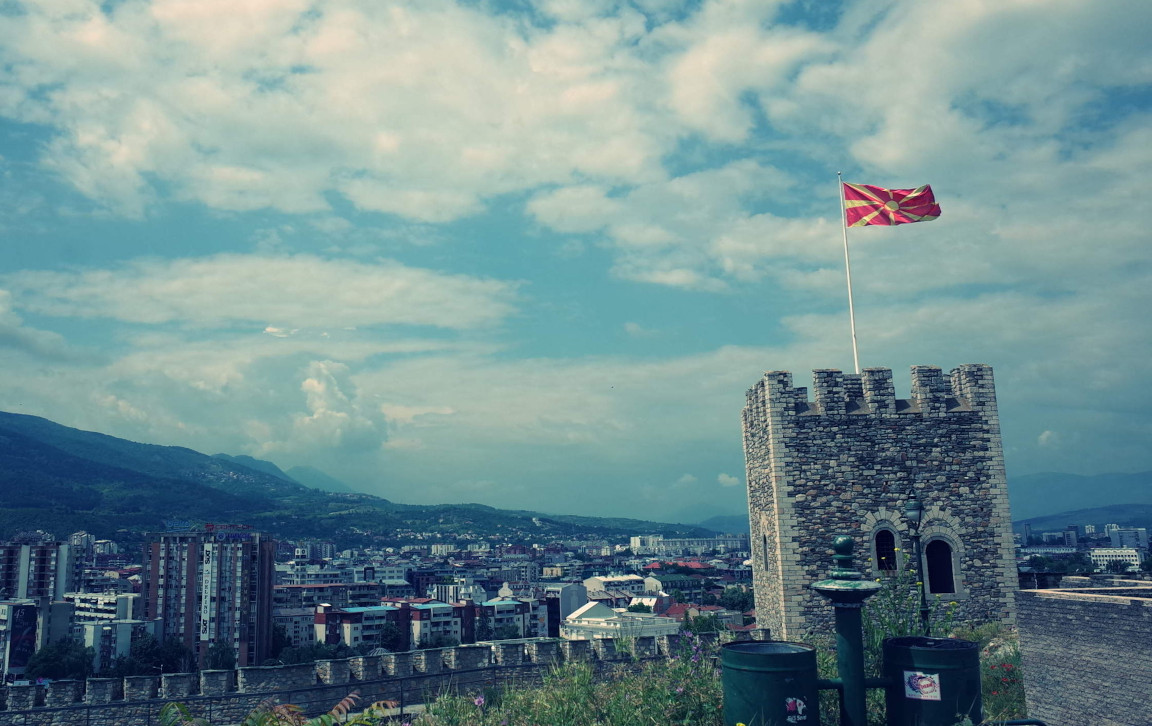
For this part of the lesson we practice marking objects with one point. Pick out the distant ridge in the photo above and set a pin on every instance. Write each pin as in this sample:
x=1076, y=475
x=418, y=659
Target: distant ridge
x=313, y=477
x=64, y=480
x=1037, y=495
x=1125, y=515
x=729, y=524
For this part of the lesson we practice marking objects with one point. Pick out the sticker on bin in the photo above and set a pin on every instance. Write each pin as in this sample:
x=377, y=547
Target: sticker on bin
x=795, y=708
x=922, y=686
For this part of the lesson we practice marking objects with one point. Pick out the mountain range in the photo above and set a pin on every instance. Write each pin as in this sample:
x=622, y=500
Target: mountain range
x=58, y=478
x=64, y=480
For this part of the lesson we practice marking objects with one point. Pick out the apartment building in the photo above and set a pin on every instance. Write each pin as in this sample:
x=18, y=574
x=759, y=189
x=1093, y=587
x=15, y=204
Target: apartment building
x=212, y=585
x=36, y=569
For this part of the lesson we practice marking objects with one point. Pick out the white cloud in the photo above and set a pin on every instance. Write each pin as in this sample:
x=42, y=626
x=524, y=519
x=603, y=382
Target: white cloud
x=280, y=292
x=727, y=480
x=422, y=110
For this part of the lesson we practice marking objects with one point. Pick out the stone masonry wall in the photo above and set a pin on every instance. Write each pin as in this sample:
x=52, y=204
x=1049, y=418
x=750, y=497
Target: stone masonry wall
x=225, y=697
x=1087, y=655
x=845, y=462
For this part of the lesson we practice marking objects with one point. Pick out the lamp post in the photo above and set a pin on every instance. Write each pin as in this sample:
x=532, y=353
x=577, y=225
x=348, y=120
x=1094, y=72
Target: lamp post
x=914, y=513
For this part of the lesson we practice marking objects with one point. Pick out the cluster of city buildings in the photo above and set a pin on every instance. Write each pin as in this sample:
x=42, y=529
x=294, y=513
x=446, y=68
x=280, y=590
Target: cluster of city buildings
x=1110, y=548
x=203, y=585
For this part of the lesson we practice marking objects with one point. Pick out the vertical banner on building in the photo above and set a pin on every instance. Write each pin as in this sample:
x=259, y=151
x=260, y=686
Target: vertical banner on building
x=22, y=634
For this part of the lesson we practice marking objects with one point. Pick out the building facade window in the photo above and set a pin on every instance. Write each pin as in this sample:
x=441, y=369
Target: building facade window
x=938, y=563
x=884, y=551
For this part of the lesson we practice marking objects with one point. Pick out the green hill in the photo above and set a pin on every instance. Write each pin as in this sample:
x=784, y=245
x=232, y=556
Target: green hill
x=62, y=480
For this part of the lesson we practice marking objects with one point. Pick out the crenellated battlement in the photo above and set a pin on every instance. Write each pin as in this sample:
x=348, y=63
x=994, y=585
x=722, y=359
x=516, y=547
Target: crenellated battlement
x=847, y=459
x=871, y=392
x=226, y=696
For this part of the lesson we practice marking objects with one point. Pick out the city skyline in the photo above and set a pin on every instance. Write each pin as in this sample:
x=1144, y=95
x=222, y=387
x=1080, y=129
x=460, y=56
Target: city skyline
x=533, y=254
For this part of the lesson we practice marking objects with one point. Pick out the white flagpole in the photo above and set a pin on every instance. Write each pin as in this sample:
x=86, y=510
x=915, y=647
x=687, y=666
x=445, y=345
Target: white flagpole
x=848, y=268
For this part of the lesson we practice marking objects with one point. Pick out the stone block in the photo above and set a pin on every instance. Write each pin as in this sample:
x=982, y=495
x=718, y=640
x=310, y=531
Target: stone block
x=397, y=665
x=215, y=683
x=63, y=693
x=140, y=688
x=102, y=690
x=175, y=686
x=365, y=667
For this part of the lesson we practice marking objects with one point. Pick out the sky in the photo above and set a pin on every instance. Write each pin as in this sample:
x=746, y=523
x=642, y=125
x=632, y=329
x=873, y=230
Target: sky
x=532, y=254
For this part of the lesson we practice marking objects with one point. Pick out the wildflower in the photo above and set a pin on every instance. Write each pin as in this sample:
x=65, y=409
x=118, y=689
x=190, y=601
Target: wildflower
x=680, y=689
x=479, y=701
x=995, y=693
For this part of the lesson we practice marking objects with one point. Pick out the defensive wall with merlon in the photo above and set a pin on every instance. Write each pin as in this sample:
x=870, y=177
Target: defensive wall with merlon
x=845, y=462
x=226, y=696
x=1087, y=655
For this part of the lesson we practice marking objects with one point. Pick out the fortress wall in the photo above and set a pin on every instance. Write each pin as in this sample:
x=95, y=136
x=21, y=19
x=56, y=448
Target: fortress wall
x=845, y=463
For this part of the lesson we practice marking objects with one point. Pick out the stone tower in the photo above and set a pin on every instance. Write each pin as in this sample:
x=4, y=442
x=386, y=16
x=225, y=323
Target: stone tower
x=846, y=462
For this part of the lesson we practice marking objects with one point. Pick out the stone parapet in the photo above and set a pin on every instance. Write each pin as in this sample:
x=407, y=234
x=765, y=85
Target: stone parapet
x=333, y=672
x=1087, y=655
x=141, y=688
x=365, y=667
x=846, y=463
x=100, y=690
x=467, y=657
x=21, y=698
x=543, y=652
x=645, y=647
x=576, y=650
x=63, y=693
x=428, y=662
x=397, y=665
x=174, y=686
x=216, y=683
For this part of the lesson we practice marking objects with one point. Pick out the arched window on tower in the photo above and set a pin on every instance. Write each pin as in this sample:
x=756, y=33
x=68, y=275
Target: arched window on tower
x=884, y=544
x=938, y=562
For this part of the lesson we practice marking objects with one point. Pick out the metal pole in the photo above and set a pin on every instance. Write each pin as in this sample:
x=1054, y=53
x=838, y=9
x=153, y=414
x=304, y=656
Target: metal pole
x=848, y=269
x=850, y=664
x=925, y=626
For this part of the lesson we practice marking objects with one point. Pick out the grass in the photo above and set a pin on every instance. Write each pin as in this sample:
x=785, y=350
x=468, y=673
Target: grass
x=684, y=691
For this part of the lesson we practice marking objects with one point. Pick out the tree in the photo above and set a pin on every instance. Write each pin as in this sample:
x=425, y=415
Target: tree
x=221, y=656
x=640, y=608
x=1117, y=567
x=280, y=641
x=738, y=599
x=506, y=632
x=677, y=595
x=314, y=652
x=391, y=637
x=65, y=658
x=702, y=624
x=436, y=641
x=484, y=629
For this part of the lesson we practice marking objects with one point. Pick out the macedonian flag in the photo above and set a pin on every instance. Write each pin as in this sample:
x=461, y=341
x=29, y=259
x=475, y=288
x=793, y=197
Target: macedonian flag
x=865, y=205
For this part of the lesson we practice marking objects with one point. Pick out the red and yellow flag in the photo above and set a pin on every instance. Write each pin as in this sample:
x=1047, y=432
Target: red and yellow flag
x=865, y=205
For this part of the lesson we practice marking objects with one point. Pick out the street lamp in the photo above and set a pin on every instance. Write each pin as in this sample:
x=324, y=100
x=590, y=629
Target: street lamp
x=914, y=513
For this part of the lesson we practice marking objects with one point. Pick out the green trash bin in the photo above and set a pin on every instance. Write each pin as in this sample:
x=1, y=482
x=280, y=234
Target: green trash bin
x=936, y=681
x=769, y=684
